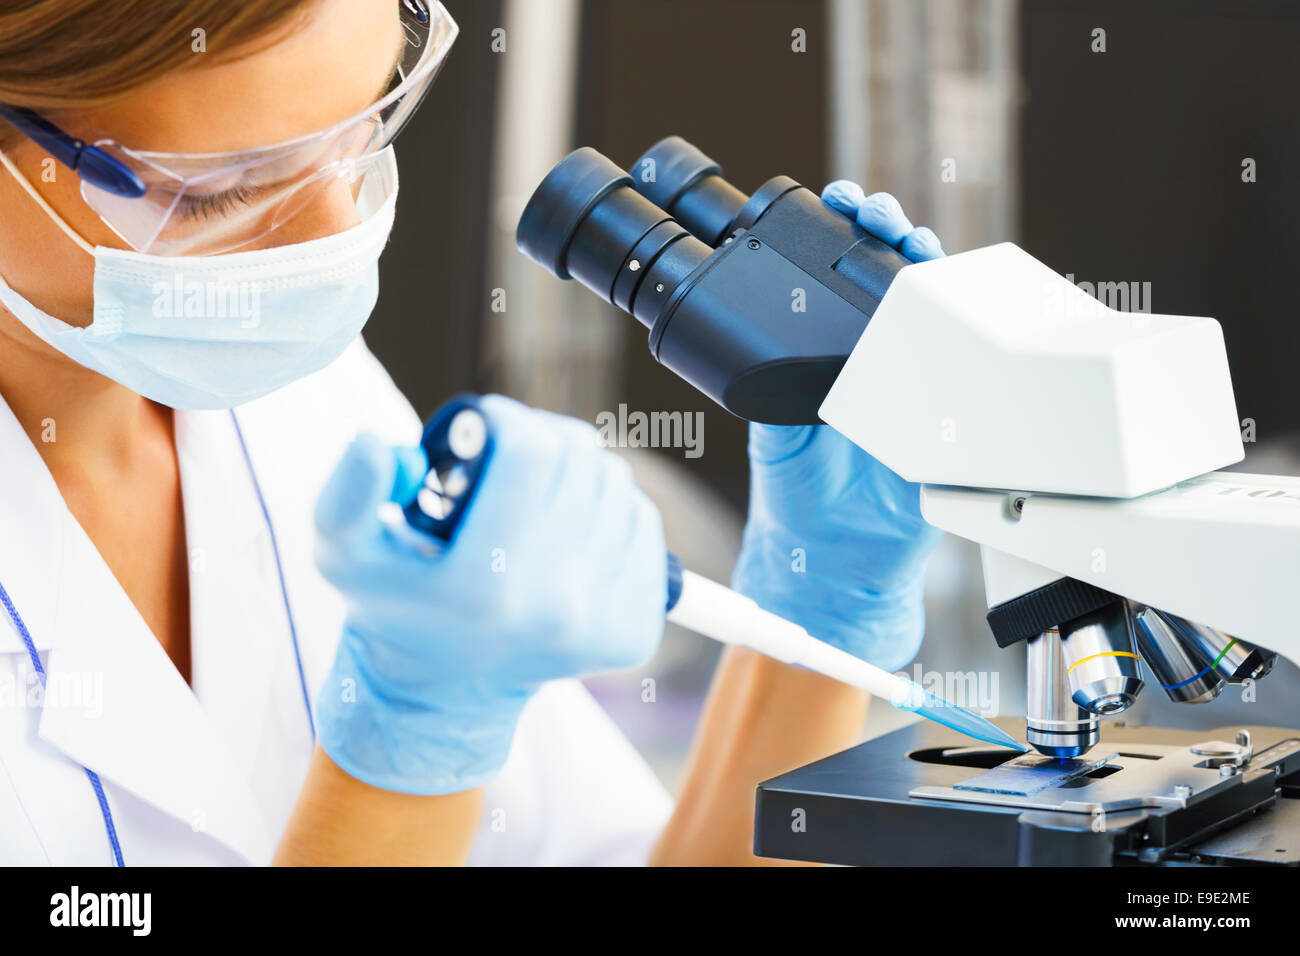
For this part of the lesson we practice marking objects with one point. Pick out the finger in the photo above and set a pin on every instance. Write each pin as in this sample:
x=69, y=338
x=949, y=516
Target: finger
x=770, y=444
x=882, y=216
x=362, y=481
x=921, y=244
x=529, y=427
x=526, y=465
x=412, y=466
x=644, y=573
x=844, y=196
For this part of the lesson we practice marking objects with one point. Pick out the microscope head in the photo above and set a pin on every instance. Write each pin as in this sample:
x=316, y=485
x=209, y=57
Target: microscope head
x=986, y=369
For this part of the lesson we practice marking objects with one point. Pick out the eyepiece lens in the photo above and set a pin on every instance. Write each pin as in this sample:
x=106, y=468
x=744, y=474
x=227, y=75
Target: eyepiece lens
x=586, y=222
x=677, y=176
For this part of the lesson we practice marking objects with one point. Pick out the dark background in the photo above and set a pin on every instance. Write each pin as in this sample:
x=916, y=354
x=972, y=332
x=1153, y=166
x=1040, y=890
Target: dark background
x=1133, y=170
x=1130, y=169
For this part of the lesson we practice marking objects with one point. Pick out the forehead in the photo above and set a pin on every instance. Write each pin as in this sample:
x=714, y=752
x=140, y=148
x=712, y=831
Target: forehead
x=323, y=66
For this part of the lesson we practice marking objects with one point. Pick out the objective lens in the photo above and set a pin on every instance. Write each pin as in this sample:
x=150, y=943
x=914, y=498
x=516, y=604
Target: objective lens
x=1103, y=669
x=1184, y=671
x=1054, y=724
x=1233, y=660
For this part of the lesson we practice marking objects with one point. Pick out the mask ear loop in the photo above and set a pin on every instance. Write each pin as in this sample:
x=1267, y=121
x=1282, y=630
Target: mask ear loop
x=49, y=210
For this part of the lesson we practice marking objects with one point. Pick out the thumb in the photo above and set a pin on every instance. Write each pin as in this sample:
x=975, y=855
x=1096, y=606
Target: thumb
x=369, y=474
x=771, y=444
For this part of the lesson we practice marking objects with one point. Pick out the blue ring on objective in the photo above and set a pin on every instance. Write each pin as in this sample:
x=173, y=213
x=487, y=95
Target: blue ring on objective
x=1189, y=680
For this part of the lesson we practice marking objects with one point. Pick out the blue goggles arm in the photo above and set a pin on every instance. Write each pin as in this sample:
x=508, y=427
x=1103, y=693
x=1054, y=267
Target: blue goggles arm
x=90, y=163
x=418, y=9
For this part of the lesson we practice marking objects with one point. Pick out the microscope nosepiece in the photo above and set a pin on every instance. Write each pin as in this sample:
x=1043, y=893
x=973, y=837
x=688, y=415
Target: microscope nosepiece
x=1101, y=665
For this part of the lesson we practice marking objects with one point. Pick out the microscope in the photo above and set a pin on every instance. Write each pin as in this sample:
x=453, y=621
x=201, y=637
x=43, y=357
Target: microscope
x=1079, y=446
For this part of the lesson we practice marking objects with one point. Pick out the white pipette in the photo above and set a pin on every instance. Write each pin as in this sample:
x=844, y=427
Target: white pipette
x=722, y=614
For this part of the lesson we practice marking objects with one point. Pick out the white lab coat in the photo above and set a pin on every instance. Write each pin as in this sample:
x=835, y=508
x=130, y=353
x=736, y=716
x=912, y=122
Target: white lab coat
x=208, y=775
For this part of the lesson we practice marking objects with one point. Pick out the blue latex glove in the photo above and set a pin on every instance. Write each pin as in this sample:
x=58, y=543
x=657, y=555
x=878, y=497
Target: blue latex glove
x=835, y=540
x=557, y=570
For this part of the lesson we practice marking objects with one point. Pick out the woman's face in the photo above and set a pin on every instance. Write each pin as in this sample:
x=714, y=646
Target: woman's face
x=322, y=67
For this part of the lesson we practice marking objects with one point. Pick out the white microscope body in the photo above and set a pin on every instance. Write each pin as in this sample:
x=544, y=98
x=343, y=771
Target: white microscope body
x=1079, y=446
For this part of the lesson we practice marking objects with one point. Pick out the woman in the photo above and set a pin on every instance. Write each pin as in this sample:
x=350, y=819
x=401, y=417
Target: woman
x=181, y=373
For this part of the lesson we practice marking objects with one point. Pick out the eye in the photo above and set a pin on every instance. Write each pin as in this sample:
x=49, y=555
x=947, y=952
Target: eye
x=194, y=207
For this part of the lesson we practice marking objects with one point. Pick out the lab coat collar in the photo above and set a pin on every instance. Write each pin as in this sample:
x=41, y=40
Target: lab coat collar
x=244, y=671
x=114, y=702
x=32, y=515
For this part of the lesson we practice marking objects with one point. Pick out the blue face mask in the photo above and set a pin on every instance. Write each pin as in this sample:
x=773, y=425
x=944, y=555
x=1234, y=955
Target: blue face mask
x=218, y=331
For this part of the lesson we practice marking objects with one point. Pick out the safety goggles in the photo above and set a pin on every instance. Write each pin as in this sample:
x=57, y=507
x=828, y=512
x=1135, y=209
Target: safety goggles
x=175, y=204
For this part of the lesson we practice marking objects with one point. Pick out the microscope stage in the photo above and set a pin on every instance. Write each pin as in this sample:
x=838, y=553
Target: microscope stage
x=1144, y=796
x=1138, y=775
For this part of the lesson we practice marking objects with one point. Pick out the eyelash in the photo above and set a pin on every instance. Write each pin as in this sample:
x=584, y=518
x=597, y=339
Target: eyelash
x=215, y=205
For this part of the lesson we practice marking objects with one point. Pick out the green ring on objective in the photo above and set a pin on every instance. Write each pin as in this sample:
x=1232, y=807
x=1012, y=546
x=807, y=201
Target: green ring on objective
x=1226, y=647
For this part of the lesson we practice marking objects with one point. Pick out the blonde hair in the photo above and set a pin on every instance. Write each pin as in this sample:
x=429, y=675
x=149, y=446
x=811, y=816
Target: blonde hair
x=77, y=53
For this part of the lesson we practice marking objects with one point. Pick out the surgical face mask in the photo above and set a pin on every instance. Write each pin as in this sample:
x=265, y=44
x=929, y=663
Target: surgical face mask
x=218, y=331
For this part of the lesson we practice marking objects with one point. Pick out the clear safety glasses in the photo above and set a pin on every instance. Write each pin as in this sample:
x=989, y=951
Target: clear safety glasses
x=207, y=204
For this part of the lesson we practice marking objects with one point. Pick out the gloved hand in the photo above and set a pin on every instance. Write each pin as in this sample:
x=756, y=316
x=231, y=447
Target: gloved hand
x=558, y=569
x=834, y=540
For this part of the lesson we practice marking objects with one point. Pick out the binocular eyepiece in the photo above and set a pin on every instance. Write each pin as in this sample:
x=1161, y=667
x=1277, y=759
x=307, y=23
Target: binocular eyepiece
x=755, y=300
x=587, y=222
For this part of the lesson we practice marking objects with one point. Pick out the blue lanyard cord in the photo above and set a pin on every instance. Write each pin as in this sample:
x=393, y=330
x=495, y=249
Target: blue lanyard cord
x=279, y=570
x=100, y=796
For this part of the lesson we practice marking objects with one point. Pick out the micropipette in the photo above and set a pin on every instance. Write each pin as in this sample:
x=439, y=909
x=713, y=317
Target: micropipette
x=716, y=611
x=457, y=442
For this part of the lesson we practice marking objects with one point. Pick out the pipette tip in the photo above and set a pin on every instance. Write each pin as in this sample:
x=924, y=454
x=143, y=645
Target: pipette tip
x=964, y=721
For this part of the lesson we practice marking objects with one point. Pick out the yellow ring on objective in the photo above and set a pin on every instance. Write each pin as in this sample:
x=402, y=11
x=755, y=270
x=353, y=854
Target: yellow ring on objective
x=1092, y=657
